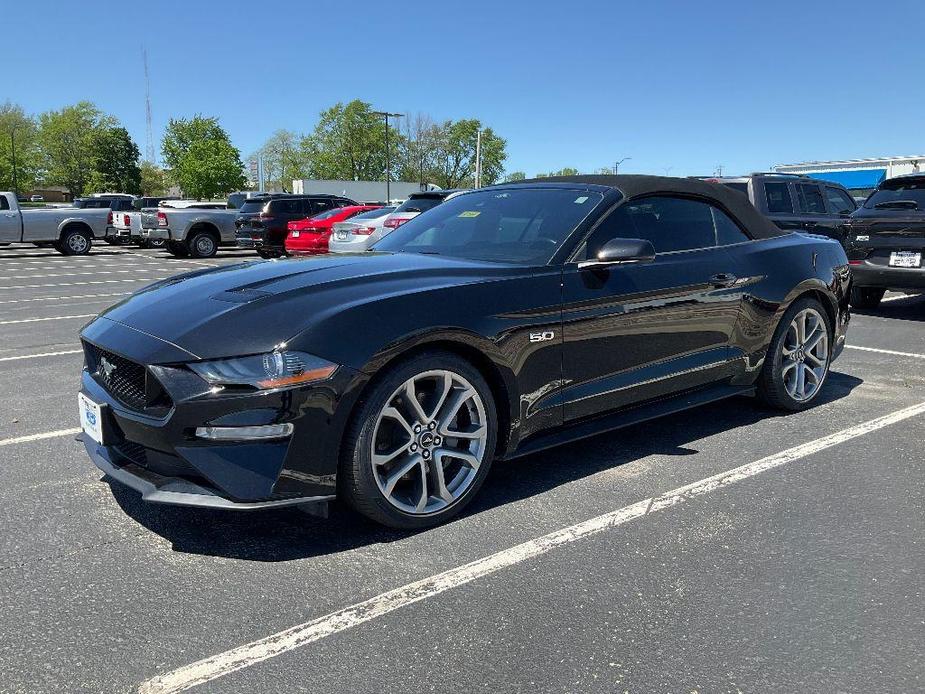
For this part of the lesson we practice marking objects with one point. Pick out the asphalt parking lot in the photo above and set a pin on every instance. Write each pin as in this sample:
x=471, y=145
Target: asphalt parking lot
x=728, y=549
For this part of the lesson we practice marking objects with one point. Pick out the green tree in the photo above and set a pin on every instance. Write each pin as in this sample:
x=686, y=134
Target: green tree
x=515, y=176
x=19, y=132
x=455, y=155
x=415, y=158
x=348, y=143
x=68, y=141
x=283, y=160
x=115, y=162
x=567, y=171
x=210, y=169
x=200, y=157
x=153, y=179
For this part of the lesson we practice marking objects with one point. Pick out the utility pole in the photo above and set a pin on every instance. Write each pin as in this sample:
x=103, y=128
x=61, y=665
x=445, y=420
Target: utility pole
x=666, y=169
x=388, y=164
x=13, y=151
x=478, y=159
x=616, y=165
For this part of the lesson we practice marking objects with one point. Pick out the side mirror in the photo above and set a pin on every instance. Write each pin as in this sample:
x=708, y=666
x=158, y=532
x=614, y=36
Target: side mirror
x=620, y=252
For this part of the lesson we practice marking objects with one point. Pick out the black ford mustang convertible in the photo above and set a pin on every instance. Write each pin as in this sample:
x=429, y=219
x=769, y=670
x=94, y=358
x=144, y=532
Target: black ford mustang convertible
x=504, y=321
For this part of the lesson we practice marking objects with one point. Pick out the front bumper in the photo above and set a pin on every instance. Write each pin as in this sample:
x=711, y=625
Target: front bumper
x=886, y=277
x=156, y=450
x=176, y=491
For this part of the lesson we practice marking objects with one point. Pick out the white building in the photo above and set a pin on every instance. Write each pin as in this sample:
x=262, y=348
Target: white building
x=860, y=176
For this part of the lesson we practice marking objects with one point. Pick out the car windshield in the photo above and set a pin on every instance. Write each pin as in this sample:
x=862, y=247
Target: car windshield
x=253, y=206
x=525, y=226
x=898, y=194
x=420, y=204
x=373, y=214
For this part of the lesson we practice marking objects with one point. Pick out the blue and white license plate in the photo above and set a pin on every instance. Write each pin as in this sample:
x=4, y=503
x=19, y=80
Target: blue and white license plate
x=91, y=418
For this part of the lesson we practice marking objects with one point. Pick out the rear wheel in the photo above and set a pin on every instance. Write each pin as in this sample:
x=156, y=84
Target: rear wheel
x=177, y=249
x=75, y=241
x=266, y=255
x=866, y=297
x=202, y=244
x=421, y=443
x=799, y=357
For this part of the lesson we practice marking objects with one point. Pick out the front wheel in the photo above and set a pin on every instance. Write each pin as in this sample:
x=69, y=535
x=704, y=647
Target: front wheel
x=799, y=357
x=866, y=297
x=421, y=443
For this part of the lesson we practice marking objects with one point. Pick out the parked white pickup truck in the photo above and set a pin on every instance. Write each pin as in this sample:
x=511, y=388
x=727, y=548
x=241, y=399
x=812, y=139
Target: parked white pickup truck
x=196, y=229
x=67, y=229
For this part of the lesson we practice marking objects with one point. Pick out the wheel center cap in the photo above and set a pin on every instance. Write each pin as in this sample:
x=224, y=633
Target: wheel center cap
x=427, y=440
x=801, y=355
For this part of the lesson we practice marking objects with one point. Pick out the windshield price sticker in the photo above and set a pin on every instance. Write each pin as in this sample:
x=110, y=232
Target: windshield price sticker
x=469, y=213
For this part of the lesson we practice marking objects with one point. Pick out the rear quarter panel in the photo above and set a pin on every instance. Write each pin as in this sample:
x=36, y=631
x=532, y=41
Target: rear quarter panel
x=773, y=273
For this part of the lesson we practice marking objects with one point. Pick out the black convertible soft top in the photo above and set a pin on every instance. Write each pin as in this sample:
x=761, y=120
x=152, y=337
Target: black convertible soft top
x=632, y=186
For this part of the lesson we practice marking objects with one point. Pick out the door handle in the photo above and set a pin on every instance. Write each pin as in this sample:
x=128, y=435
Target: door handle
x=723, y=279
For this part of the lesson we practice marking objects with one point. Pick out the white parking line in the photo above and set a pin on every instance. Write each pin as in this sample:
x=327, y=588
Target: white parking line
x=41, y=354
x=249, y=654
x=887, y=351
x=83, y=284
x=39, y=437
x=62, y=298
x=39, y=320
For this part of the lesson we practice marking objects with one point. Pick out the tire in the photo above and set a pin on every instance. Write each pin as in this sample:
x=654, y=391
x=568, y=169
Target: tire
x=266, y=255
x=419, y=444
x=202, y=244
x=177, y=249
x=866, y=297
x=797, y=361
x=75, y=241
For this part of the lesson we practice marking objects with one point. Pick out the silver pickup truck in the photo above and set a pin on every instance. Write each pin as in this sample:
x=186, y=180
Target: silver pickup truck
x=197, y=229
x=66, y=229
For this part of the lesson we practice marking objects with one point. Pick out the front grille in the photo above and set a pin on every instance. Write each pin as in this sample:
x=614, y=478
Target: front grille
x=127, y=381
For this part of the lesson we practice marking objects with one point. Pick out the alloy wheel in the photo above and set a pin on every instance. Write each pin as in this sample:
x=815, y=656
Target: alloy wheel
x=205, y=246
x=77, y=243
x=805, y=355
x=429, y=441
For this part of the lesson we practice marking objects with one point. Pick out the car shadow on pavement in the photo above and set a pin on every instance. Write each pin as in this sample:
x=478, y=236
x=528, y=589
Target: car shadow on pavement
x=288, y=534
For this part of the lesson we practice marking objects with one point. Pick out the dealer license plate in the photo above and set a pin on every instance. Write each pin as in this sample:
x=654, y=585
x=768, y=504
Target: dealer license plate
x=295, y=234
x=91, y=418
x=905, y=259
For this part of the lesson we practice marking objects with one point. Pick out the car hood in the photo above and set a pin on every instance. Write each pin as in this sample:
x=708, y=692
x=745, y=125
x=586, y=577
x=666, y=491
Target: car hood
x=252, y=307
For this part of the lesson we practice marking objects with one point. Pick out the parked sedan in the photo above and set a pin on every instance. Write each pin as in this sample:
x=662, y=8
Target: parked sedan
x=358, y=233
x=506, y=320
x=310, y=236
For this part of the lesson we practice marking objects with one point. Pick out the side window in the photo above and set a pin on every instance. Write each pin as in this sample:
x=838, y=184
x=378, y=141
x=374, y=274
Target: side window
x=839, y=201
x=778, y=195
x=810, y=199
x=4, y=203
x=671, y=224
x=321, y=204
x=727, y=231
x=340, y=202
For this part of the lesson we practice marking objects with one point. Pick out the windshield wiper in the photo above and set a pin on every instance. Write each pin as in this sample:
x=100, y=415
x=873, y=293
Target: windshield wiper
x=898, y=204
x=428, y=252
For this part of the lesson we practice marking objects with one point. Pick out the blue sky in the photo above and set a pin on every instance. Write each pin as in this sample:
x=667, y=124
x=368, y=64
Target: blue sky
x=680, y=84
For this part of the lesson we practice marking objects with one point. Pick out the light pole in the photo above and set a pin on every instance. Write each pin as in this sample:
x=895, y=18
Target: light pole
x=616, y=165
x=388, y=171
x=667, y=169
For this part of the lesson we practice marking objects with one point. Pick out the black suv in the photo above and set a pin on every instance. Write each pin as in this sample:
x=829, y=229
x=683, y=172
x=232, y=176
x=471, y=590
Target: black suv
x=886, y=241
x=262, y=220
x=795, y=202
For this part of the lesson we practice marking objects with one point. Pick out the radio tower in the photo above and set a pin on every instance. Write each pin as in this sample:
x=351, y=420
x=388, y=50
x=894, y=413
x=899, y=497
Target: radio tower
x=149, y=130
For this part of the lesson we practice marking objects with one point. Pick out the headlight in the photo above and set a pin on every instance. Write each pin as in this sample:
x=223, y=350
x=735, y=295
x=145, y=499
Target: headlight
x=273, y=370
